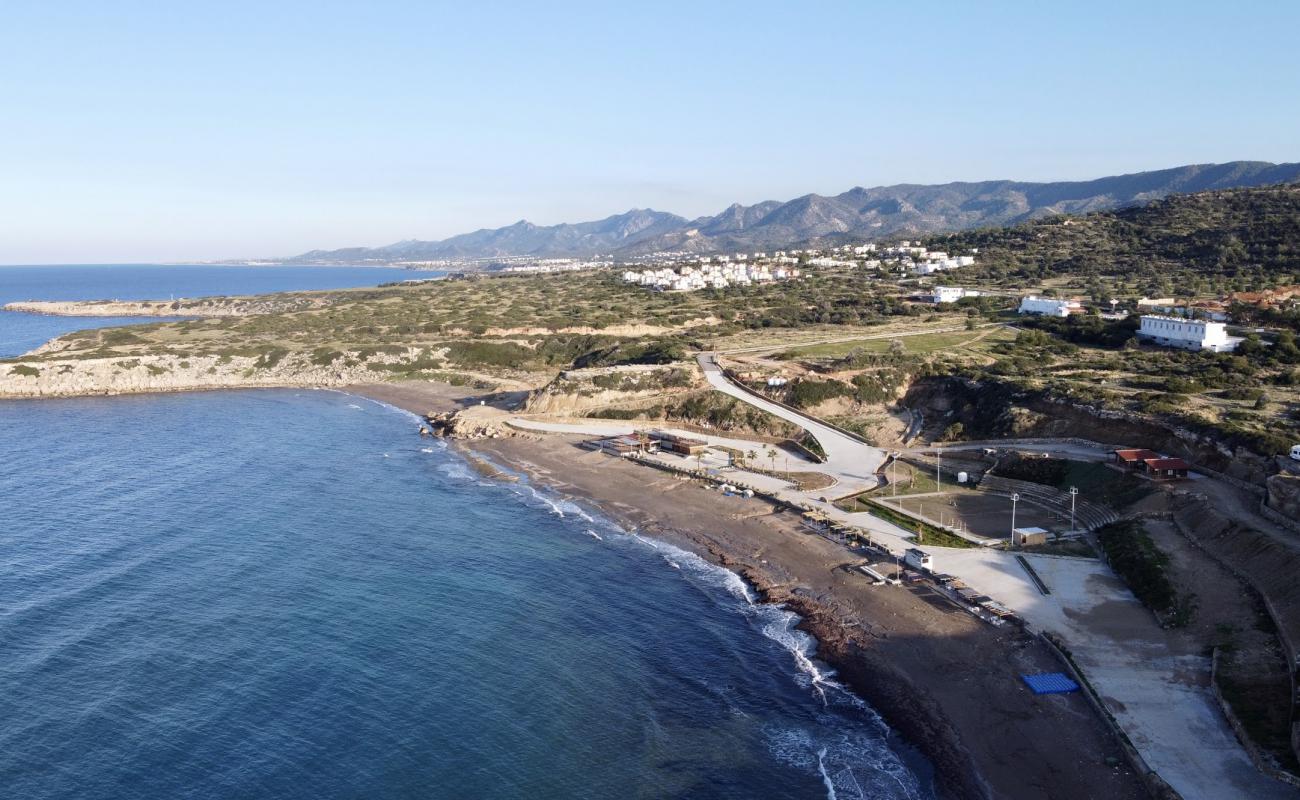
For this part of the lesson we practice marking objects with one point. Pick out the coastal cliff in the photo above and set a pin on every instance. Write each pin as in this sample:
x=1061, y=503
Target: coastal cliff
x=201, y=307
x=77, y=377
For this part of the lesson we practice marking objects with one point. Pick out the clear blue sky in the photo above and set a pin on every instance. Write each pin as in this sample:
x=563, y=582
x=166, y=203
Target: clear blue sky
x=189, y=130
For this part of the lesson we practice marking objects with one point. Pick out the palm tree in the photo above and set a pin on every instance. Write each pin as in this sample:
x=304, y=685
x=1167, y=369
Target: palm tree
x=751, y=456
x=771, y=455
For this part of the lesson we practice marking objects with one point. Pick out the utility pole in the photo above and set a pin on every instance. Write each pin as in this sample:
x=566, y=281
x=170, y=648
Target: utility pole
x=938, y=478
x=1015, y=498
x=894, y=482
x=1074, y=492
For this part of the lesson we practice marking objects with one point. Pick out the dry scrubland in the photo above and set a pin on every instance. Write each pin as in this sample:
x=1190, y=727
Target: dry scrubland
x=847, y=341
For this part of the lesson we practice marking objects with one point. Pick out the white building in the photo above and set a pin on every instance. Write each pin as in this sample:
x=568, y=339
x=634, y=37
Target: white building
x=1046, y=306
x=1189, y=334
x=951, y=294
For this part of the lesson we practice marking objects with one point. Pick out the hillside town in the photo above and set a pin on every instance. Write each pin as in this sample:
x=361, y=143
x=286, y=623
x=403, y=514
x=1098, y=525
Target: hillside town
x=710, y=274
x=681, y=272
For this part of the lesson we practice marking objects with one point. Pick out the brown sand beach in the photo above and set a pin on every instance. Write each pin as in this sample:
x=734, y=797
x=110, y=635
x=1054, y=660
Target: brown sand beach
x=947, y=682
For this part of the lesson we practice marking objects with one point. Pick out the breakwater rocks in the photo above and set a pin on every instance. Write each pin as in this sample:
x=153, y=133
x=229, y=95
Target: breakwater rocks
x=475, y=422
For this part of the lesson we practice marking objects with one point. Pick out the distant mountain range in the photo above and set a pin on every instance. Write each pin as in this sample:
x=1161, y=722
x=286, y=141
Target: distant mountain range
x=818, y=220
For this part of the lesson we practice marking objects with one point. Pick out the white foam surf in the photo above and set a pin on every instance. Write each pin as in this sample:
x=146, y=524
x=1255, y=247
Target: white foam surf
x=826, y=778
x=839, y=758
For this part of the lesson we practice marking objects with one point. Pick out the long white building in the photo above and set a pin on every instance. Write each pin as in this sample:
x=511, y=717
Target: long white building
x=1189, y=334
x=951, y=294
x=1048, y=307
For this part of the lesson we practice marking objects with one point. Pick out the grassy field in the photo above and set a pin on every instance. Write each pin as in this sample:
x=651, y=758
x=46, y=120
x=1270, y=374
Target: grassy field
x=917, y=344
x=914, y=480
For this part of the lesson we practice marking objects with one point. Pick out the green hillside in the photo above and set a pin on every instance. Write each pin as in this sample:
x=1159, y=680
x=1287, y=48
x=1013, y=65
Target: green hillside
x=1239, y=239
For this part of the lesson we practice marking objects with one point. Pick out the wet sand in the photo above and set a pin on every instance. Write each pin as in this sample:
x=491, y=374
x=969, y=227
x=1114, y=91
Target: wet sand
x=948, y=683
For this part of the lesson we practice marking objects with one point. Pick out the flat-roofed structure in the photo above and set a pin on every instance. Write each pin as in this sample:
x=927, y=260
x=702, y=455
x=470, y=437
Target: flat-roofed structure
x=1189, y=334
x=678, y=444
x=1049, y=307
x=619, y=445
x=1028, y=537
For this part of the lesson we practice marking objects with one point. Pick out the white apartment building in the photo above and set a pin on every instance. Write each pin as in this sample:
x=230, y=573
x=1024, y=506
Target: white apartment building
x=1189, y=334
x=1046, y=306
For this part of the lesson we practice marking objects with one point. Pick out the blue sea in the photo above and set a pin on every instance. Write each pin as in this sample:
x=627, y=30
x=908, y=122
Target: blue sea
x=288, y=594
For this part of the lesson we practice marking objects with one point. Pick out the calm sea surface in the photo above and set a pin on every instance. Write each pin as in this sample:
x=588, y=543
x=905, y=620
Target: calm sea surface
x=287, y=594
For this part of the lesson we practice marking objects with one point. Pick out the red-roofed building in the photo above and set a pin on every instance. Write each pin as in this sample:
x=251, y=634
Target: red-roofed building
x=1134, y=459
x=1166, y=467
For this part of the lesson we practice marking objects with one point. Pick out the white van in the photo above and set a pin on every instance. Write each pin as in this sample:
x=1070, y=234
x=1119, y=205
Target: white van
x=918, y=559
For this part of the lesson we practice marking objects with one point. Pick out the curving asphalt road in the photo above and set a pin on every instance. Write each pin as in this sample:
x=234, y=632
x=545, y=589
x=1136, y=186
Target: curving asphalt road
x=845, y=456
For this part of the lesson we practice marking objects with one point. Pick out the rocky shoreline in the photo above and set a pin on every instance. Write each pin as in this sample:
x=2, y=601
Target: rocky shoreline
x=946, y=683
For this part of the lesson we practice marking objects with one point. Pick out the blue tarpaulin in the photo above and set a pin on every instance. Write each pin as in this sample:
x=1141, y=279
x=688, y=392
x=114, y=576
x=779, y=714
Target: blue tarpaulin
x=1050, y=683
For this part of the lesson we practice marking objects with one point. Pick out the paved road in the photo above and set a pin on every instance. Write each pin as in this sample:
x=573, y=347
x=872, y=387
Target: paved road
x=847, y=458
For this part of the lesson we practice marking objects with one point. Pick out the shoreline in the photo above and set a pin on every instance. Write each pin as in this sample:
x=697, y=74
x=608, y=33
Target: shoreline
x=945, y=683
x=921, y=666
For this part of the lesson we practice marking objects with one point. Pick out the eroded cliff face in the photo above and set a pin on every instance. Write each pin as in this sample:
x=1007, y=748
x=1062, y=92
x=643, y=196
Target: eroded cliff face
x=992, y=409
x=577, y=392
x=1284, y=495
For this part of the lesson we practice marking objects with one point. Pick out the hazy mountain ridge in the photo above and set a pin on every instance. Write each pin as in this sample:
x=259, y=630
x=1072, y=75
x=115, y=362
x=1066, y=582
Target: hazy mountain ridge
x=858, y=213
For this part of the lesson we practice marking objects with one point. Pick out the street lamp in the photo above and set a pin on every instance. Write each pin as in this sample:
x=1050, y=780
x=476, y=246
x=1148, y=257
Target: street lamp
x=1074, y=492
x=1015, y=498
x=938, y=479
